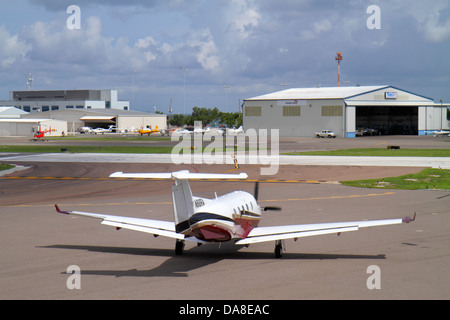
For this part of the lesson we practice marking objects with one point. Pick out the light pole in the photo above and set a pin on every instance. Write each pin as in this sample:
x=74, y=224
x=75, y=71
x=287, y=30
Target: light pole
x=227, y=86
x=184, y=88
x=133, y=71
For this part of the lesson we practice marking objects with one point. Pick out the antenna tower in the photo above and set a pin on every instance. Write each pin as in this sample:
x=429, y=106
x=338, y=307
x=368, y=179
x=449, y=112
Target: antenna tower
x=30, y=82
x=339, y=59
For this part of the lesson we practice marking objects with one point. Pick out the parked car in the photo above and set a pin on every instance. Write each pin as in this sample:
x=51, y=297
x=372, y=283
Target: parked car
x=325, y=134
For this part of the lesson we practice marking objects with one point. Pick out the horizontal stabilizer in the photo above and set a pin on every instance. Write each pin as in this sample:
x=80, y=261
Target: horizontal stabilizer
x=182, y=175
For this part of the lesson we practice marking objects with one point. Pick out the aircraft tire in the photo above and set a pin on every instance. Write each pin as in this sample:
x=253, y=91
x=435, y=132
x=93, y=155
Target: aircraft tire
x=179, y=247
x=278, y=250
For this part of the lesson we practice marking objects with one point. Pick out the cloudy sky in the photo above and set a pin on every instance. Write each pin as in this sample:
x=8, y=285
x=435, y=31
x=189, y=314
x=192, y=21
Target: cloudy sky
x=215, y=53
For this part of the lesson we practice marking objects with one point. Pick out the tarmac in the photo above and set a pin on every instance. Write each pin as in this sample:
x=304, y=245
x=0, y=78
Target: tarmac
x=38, y=246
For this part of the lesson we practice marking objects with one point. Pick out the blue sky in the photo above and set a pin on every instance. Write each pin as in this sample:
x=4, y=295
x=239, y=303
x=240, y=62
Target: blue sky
x=231, y=49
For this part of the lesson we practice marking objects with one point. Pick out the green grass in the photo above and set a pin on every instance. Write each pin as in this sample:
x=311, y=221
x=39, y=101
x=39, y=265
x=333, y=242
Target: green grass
x=5, y=166
x=101, y=149
x=426, y=179
x=85, y=149
x=379, y=152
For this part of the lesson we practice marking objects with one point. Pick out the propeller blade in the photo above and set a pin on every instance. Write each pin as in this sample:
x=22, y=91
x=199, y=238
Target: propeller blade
x=256, y=191
x=272, y=208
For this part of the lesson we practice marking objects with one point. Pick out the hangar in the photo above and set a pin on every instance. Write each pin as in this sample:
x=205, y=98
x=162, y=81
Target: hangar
x=348, y=111
x=10, y=127
x=78, y=108
x=102, y=118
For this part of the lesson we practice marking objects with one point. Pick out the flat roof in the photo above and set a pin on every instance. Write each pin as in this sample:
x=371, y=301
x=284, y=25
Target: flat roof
x=28, y=120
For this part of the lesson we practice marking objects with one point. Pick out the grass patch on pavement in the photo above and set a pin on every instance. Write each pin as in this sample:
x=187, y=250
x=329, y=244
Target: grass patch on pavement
x=4, y=166
x=425, y=179
x=378, y=152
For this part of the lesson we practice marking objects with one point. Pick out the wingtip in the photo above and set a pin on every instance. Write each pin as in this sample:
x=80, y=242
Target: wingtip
x=409, y=219
x=115, y=174
x=59, y=210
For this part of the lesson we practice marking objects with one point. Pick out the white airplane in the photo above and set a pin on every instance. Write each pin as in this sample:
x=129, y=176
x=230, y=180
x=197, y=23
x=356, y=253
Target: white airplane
x=235, y=131
x=103, y=130
x=201, y=130
x=182, y=131
x=231, y=217
x=441, y=133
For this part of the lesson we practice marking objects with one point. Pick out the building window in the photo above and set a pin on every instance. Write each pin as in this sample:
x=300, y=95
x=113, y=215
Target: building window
x=291, y=111
x=26, y=108
x=331, y=111
x=80, y=107
x=54, y=108
x=252, y=111
x=69, y=107
x=45, y=108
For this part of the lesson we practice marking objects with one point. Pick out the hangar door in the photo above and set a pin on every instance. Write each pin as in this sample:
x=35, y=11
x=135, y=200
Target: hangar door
x=387, y=120
x=99, y=121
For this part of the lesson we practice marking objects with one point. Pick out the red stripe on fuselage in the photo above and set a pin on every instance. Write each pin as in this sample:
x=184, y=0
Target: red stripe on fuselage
x=215, y=233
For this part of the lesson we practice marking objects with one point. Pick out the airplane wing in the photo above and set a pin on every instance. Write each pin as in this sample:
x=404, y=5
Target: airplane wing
x=155, y=227
x=263, y=234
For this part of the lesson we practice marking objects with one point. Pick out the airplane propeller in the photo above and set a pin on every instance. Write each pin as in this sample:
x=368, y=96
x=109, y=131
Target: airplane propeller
x=256, y=193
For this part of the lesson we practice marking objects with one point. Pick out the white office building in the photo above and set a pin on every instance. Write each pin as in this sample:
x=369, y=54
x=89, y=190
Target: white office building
x=54, y=100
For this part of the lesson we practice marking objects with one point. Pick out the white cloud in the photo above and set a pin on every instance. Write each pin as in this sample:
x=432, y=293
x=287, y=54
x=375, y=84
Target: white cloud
x=318, y=29
x=145, y=43
x=206, y=54
x=436, y=31
x=12, y=49
x=244, y=17
x=430, y=20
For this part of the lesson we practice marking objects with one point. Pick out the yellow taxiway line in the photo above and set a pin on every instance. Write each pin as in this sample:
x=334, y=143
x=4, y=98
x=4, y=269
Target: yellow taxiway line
x=169, y=202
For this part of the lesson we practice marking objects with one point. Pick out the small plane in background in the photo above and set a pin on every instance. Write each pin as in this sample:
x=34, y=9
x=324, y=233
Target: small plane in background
x=235, y=131
x=441, y=133
x=148, y=130
x=201, y=130
x=103, y=130
x=230, y=217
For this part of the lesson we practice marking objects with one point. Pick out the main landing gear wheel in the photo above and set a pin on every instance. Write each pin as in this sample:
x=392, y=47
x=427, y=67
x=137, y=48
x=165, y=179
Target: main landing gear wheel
x=278, y=249
x=179, y=247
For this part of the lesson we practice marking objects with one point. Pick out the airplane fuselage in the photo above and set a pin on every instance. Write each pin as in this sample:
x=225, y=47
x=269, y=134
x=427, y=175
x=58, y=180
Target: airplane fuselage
x=228, y=217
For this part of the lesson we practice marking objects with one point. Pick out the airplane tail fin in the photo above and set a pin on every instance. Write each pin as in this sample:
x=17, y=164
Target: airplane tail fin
x=182, y=199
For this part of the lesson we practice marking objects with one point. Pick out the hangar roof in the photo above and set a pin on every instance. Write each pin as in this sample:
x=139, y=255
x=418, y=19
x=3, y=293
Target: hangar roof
x=11, y=112
x=318, y=93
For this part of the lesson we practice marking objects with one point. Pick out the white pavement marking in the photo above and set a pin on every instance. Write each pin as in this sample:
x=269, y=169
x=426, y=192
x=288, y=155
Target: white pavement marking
x=433, y=162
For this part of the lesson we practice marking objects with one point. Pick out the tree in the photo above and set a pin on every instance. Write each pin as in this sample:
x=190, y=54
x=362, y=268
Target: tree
x=180, y=120
x=231, y=119
x=205, y=115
